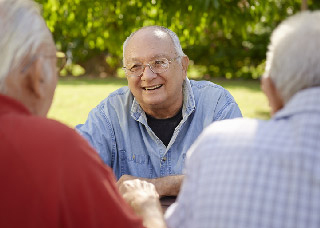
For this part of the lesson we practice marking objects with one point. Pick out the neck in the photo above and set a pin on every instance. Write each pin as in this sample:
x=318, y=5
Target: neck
x=163, y=113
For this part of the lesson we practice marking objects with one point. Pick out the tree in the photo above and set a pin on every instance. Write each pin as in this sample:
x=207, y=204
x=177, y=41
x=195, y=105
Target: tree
x=227, y=37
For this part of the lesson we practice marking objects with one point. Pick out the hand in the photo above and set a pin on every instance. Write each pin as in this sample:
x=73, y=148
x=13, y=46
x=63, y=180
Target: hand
x=144, y=199
x=139, y=194
x=124, y=178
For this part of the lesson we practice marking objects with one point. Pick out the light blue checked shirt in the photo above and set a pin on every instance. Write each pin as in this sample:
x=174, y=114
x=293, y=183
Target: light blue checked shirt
x=247, y=173
x=117, y=128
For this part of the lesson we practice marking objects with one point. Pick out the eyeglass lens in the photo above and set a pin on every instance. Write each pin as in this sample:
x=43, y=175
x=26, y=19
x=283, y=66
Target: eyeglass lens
x=156, y=66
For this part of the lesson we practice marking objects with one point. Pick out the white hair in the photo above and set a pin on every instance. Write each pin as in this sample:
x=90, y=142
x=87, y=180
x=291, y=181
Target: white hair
x=22, y=31
x=173, y=36
x=293, y=57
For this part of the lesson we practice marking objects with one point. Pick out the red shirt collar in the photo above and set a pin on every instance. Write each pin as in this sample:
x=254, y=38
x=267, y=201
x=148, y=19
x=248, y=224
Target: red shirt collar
x=8, y=104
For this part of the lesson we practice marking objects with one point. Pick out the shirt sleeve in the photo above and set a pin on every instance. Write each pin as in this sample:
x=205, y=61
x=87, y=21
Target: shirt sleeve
x=98, y=131
x=88, y=194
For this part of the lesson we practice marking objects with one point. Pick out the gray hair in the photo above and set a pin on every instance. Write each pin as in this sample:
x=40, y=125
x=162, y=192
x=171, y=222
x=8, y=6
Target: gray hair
x=22, y=31
x=293, y=57
x=173, y=36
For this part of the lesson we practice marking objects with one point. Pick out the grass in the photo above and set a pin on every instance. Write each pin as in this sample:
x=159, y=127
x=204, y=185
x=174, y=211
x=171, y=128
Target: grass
x=74, y=98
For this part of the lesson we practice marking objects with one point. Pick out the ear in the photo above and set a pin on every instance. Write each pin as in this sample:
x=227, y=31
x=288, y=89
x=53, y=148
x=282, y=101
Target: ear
x=274, y=97
x=33, y=80
x=185, y=64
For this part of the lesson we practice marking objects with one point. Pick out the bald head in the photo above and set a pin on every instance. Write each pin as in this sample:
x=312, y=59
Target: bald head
x=149, y=40
x=158, y=32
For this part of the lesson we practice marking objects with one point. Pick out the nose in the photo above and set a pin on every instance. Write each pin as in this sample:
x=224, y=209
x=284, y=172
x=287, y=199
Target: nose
x=148, y=74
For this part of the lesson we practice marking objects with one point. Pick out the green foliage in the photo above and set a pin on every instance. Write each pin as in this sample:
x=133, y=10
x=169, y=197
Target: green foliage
x=227, y=37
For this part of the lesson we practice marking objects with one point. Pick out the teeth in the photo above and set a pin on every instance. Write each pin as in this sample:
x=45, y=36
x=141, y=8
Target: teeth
x=154, y=87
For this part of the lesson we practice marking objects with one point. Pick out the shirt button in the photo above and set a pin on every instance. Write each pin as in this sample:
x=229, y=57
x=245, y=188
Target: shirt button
x=164, y=159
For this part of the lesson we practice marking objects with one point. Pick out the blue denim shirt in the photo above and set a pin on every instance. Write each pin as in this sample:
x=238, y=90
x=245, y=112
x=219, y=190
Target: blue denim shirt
x=117, y=128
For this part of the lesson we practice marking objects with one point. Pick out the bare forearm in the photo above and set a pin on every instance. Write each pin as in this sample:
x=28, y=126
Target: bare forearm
x=168, y=186
x=165, y=186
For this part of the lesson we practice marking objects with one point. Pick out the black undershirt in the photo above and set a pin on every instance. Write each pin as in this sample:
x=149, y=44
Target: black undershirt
x=164, y=128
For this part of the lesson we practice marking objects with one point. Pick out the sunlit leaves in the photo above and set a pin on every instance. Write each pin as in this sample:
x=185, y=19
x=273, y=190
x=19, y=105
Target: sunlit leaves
x=227, y=37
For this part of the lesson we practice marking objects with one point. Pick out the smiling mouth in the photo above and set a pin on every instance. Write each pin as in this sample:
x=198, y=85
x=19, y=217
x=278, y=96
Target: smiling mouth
x=152, y=88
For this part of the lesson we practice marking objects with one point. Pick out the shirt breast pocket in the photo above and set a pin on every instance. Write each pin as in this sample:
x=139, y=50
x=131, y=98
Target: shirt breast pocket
x=135, y=164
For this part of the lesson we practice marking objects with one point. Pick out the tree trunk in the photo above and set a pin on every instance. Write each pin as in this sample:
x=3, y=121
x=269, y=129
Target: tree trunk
x=304, y=5
x=97, y=67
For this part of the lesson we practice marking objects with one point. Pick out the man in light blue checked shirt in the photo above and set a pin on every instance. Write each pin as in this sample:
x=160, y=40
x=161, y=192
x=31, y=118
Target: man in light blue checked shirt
x=248, y=173
x=145, y=129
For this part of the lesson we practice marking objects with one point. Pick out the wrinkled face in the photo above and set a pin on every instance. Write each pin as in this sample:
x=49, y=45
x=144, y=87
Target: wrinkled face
x=155, y=90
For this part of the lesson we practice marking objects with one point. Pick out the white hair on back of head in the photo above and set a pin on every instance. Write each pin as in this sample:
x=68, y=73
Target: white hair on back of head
x=293, y=57
x=173, y=36
x=22, y=31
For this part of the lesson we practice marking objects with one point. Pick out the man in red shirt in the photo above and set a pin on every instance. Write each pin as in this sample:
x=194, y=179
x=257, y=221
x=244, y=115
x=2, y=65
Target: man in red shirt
x=49, y=175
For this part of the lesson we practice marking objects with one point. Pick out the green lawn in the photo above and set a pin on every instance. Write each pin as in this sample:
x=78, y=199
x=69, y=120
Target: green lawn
x=74, y=98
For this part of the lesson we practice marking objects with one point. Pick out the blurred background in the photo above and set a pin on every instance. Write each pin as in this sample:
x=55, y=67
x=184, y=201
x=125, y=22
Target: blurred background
x=226, y=41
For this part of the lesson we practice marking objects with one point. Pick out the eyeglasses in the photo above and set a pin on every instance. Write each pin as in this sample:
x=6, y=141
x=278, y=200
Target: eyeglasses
x=157, y=66
x=60, y=56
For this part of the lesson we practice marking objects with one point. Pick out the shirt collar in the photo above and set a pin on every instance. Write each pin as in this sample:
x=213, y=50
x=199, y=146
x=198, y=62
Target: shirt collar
x=8, y=104
x=187, y=109
x=304, y=101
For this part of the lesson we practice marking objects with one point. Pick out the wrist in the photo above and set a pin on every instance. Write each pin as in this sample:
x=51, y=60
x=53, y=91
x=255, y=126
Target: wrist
x=146, y=207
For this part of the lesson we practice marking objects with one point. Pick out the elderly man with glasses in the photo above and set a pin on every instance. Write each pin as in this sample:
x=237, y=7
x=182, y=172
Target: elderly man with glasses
x=50, y=176
x=144, y=130
x=249, y=173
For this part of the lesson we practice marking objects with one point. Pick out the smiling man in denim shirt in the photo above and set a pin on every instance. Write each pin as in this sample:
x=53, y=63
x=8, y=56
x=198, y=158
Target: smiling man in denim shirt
x=145, y=129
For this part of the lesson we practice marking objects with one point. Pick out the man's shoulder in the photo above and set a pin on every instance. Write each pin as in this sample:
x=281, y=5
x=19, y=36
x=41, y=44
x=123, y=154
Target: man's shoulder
x=210, y=96
x=54, y=129
x=51, y=143
x=43, y=136
x=227, y=135
x=237, y=126
x=119, y=93
x=204, y=84
x=118, y=97
x=234, y=132
x=49, y=131
x=207, y=88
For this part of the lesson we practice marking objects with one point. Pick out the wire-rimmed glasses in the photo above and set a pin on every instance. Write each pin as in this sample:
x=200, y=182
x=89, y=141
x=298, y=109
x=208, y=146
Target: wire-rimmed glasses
x=157, y=66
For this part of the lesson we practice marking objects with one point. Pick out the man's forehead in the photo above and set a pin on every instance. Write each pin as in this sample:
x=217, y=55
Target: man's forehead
x=148, y=37
x=149, y=44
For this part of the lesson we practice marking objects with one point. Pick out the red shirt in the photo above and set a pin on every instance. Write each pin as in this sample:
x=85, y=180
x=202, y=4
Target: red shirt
x=51, y=177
